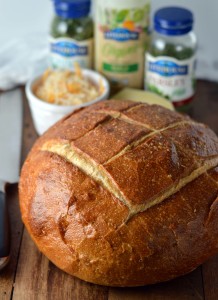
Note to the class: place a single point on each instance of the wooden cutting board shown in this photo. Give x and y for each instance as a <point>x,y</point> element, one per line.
<point>30,276</point>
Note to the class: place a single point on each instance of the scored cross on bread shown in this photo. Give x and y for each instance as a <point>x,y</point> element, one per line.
<point>123,194</point>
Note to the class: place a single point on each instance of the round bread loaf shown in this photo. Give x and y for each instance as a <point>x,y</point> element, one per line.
<point>123,194</point>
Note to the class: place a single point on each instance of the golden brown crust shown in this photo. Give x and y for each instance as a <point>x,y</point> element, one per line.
<point>123,194</point>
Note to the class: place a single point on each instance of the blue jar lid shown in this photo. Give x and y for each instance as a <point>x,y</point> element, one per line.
<point>69,9</point>
<point>173,21</point>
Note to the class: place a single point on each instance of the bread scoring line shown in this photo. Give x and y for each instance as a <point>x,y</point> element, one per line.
<point>97,172</point>
<point>136,143</point>
<point>86,164</point>
<point>109,115</point>
<point>211,178</point>
<point>121,116</point>
<point>209,164</point>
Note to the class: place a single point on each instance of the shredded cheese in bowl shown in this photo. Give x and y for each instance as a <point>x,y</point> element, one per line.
<point>64,87</point>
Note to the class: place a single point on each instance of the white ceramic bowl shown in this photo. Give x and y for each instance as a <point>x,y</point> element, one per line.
<point>45,114</point>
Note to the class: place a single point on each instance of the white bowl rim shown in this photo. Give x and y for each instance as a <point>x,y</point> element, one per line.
<point>62,108</point>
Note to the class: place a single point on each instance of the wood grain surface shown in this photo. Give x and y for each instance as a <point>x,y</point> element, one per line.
<point>30,276</point>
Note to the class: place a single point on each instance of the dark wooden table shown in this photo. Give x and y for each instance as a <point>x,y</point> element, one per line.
<point>30,276</point>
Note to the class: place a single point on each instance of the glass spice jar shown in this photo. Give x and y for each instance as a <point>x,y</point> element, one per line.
<point>71,35</point>
<point>171,58</point>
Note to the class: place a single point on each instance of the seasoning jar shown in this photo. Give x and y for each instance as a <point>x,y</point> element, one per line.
<point>71,35</point>
<point>121,37</point>
<point>170,60</point>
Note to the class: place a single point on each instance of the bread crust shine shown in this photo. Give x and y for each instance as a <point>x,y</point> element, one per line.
<point>123,194</point>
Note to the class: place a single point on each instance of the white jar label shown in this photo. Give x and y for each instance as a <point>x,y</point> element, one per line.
<point>64,52</point>
<point>171,78</point>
